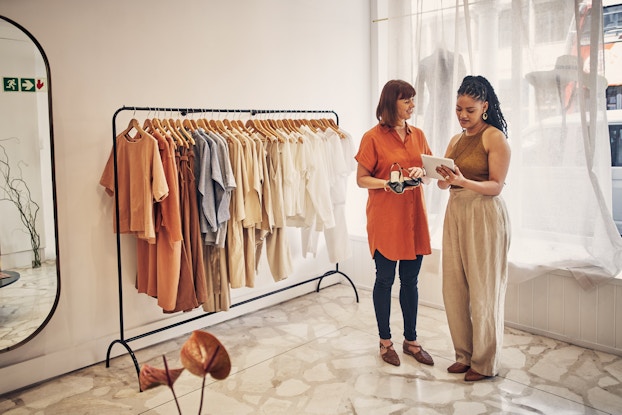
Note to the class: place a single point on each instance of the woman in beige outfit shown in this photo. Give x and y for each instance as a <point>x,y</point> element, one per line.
<point>476,232</point>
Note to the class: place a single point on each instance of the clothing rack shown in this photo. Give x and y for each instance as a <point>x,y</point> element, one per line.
<point>184,111</point>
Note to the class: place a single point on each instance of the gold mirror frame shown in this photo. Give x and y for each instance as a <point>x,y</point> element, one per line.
<point>24,338</point>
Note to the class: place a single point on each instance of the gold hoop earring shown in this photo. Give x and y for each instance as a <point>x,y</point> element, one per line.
<point>485,116</point>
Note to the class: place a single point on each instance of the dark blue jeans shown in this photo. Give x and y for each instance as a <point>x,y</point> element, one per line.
<point>409,294</point>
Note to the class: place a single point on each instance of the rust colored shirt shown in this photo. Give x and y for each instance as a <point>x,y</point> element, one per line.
<point>141,183</point>
<point>397,224</point>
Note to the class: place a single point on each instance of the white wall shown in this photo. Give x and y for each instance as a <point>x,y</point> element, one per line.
<point>270,54</point>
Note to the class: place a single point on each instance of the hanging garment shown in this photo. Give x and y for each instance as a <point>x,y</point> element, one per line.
<point>237,190</point>
<point>158,265</point>
<point>235,234</point>
<point>277,246</point>
<point>196,240</point>
<point>141,181</point>
<point>339,151</point>
<point>223,193</point>
<point>205,163</point>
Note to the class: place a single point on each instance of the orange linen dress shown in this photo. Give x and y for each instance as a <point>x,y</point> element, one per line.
<point>397,224</point>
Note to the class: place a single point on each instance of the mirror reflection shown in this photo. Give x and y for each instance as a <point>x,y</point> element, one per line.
<point>29,277</point>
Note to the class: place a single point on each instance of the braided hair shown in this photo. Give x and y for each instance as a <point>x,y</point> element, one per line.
<point>478,88</point>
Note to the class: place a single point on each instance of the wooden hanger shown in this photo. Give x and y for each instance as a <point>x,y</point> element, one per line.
<point>133,124</point>
<point>150,126</point>
<point>202,122</point>
<point>155,123</point>
<point>295,125</point>
<point>330,123</point>
<point>252,126</point>
<point>239,124</point>
<point>183,132</point>
<point>273,123</point>
<point>306,122</point>
<point>189,124</point>
<point>313,124</point>
<point>166,128</point>
<point>270,124</point>
<point>170,129</point>
<point>288,126</point>
<point>261,128</point>
<point>227,123</point>
<point>322,123</point>
<point>217,125</point>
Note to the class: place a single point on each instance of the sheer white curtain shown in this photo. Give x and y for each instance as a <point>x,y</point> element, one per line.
<point>544,59</point>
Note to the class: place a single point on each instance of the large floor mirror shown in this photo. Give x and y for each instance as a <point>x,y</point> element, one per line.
<point>29,270</point>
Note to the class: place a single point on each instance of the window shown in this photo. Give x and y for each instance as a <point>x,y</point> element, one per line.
<point>612,23</point>
<point>545,104</point>
<point>615,138</point>
<point>549,27</point>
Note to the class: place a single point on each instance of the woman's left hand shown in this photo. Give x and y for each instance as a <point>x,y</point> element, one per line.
<point>416,172</point>
<point>451,176</point>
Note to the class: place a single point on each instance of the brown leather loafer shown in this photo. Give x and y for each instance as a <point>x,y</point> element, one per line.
<point>389,354</point>
<point>458,368</point>
<point>473,376</point>
<point>420,356</point>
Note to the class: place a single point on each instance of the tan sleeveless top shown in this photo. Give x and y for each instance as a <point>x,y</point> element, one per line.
<point>471,157</point>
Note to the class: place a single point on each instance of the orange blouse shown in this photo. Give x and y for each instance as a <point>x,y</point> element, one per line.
<point>397,224</point>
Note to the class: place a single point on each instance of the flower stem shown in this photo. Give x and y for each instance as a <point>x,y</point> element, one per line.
<point>202,392</point>
<point>170,384</point>
<point>207,369</point>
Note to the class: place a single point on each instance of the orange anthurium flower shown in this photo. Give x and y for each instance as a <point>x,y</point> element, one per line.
<point>150,377</point>
<point>202,353</point>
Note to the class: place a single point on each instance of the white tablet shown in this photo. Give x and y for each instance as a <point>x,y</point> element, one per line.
<point>430,163</point>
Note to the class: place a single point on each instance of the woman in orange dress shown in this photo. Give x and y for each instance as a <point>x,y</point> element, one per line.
<point>397,224</point>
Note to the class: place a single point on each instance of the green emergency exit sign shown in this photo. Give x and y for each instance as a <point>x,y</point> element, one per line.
<point>11,84</point>
<point>27,84</point>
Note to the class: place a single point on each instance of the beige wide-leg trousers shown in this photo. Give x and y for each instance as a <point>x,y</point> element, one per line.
<point>476,240</point>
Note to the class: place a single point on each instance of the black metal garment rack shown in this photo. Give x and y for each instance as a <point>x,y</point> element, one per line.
<point>184,111</point>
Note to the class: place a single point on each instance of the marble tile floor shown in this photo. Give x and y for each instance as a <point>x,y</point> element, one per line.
<point>318,354</point>
<point>26,303</point>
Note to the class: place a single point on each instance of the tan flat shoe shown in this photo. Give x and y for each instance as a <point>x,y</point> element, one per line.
<point>458,368</point>
<point>420,356</point>
<point>389,355</point>
<point>473,376</point>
